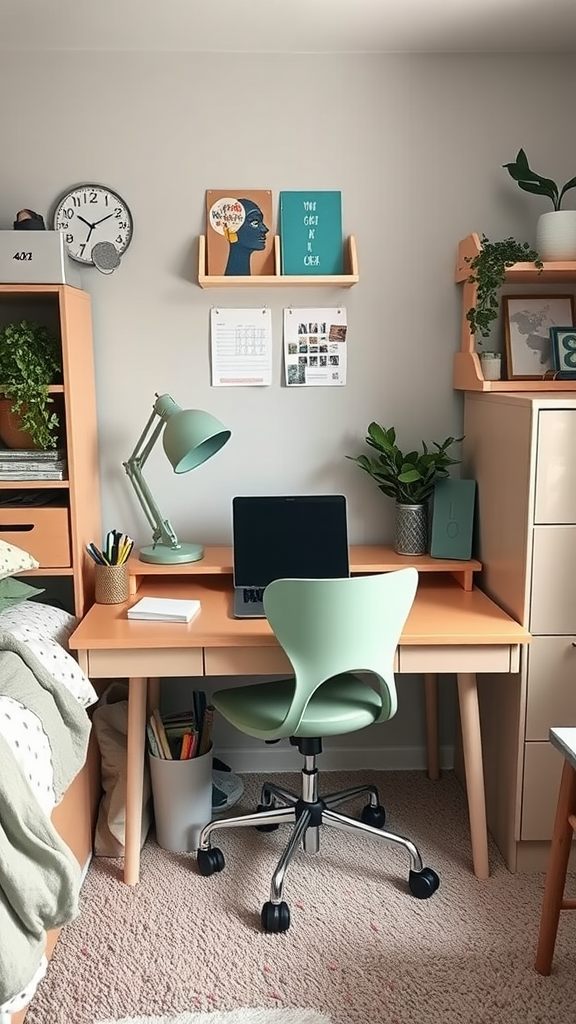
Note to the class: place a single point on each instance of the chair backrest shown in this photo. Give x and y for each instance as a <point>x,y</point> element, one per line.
<point>327,627</point>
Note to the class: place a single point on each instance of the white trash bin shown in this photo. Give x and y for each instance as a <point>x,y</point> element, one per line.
<point>182,794</point>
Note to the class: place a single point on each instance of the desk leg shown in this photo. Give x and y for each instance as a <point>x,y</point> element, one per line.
<point>432,741</point>
<point>136,749</point>
<point>474,768</point>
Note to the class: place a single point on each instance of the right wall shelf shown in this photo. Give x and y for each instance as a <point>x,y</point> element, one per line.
<point>467,370</point>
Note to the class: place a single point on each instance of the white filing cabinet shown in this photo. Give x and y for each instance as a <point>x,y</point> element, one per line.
<point>521,449</point>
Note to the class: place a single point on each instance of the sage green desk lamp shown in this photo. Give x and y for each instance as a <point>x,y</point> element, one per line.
<point>189,438</point>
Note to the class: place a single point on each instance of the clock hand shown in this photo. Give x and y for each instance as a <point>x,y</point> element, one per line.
<point>101,219</point>
<point>87,222</point>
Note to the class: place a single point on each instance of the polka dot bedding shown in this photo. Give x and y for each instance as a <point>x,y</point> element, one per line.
<point>46,631</point>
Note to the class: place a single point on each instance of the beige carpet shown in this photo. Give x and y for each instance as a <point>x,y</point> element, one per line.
<point>360,949</point>
<point>242,1016</point>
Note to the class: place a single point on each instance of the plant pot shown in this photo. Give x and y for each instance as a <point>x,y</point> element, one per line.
<point>10,433</point>
<point>556,235</point>
<point>491,363</point>
<point>411,529</point>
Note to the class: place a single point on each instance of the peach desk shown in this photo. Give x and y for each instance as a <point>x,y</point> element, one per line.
<point>453,627</point>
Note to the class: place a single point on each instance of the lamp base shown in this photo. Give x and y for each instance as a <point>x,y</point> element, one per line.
<point>161,554</point>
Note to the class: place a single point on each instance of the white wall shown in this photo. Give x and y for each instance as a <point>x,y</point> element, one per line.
<point>415,144</point>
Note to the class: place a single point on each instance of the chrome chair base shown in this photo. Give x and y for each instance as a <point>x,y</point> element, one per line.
<point>307,812</point>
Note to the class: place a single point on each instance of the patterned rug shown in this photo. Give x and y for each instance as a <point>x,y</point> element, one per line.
<point>241,1016</point>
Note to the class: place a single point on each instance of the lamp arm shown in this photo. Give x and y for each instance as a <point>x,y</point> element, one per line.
<point>163,529</point>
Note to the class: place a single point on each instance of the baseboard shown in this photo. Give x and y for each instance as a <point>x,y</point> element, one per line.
<point>267,759</point>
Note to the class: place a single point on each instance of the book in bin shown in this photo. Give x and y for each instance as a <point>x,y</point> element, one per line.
<point>164,609</point>
<point>239,235</point>
<point>310,228</point>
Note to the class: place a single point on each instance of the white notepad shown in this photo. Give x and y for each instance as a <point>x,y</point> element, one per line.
<point>164,609</point>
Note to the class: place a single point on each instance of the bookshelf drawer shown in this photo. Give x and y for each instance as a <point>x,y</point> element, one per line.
<point>43,532</point>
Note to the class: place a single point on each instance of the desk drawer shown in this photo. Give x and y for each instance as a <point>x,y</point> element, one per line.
<point>245,661</point>
<point>43,532</point>
<point>145,662</point>
<point>463,658</point>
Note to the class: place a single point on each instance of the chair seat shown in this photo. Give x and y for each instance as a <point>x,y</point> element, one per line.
<point>342,704</point>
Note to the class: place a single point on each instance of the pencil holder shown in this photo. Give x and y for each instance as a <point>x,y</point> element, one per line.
<point>110,584</point>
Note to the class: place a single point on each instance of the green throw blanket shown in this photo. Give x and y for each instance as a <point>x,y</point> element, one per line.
<point>39,876</point>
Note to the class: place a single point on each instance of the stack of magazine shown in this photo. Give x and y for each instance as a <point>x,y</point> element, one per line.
<point>33,464</point>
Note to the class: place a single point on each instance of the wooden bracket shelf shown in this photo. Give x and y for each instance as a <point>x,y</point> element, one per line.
<point>467,374</point>
<point>346,280</point>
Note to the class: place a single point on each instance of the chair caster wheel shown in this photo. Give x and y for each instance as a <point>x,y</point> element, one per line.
<point>266,828</point>
<point>375,816</point>
<point>423,884</point>
<point>275,917</point>
<point>210,861</point>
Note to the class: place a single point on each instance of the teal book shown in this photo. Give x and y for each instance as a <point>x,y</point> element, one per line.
<point>310,228</point>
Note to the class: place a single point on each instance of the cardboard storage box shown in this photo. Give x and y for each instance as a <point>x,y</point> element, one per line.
<point>36,257</point>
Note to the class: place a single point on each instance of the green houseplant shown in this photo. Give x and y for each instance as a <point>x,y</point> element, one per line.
<point>530,181</point>
<point>488,271</point>
<point>409,478</point>
<point>555,230</point>
<point>30,360</point>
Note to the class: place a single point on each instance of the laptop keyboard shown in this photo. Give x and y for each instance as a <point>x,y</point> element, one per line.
<point>253,595</point>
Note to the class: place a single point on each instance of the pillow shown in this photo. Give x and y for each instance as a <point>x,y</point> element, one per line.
<point>14,560</point>
<point>15,591</point>
<point>35,621</point>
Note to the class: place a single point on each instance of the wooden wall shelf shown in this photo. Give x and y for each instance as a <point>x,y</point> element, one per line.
<point>278,280</point>
<point>467,374</point>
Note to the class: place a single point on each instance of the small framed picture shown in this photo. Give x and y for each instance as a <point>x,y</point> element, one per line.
<point>563,352</point>
<point>527,323</point>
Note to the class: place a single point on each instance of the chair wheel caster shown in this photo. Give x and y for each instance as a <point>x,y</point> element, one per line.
<point>275,917</point>
<point>375,816</point>
<point>210,861</point>
<point>266,828</point>
<point>423,884</point>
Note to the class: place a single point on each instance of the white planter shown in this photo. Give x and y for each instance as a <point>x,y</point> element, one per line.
<point>556,236</point>
<point>491,363</point>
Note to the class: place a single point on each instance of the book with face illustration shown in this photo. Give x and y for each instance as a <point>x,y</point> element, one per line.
<point>239,233</point>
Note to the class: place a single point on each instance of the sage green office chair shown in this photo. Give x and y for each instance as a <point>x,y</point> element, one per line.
<point>331,630</point>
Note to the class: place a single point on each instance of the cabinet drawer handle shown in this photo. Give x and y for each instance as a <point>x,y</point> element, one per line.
<point>17,527</point>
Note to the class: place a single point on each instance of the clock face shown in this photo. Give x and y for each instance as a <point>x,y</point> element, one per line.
<point>88,214</point>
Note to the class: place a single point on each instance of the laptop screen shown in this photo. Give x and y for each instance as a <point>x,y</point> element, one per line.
<point>294,536</point>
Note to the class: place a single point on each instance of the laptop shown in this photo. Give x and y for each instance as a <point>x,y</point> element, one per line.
<point>286,536</point>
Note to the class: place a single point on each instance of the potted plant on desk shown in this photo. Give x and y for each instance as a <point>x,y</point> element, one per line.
<point>30,360</point>
<point>409,478</point>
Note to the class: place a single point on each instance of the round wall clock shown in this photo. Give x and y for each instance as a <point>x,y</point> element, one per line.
<point>89,214</point>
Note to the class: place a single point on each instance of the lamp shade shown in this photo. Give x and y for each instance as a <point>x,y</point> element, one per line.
<point>192,436</point>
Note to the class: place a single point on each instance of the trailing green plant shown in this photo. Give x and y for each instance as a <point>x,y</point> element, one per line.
<point>530,181</point>
<point>488,271</point>
<point>30,360</point>
<point>408,477</point>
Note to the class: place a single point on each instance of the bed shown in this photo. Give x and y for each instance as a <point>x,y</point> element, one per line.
<point>49,784</point>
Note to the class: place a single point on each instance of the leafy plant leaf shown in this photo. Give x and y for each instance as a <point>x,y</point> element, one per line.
<point>408,478</point>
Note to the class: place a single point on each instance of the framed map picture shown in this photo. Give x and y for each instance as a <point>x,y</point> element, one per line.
<point>527,323</point>
<point>239,232</point>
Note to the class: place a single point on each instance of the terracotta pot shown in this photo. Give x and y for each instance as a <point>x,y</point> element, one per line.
<point>10,433</point>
